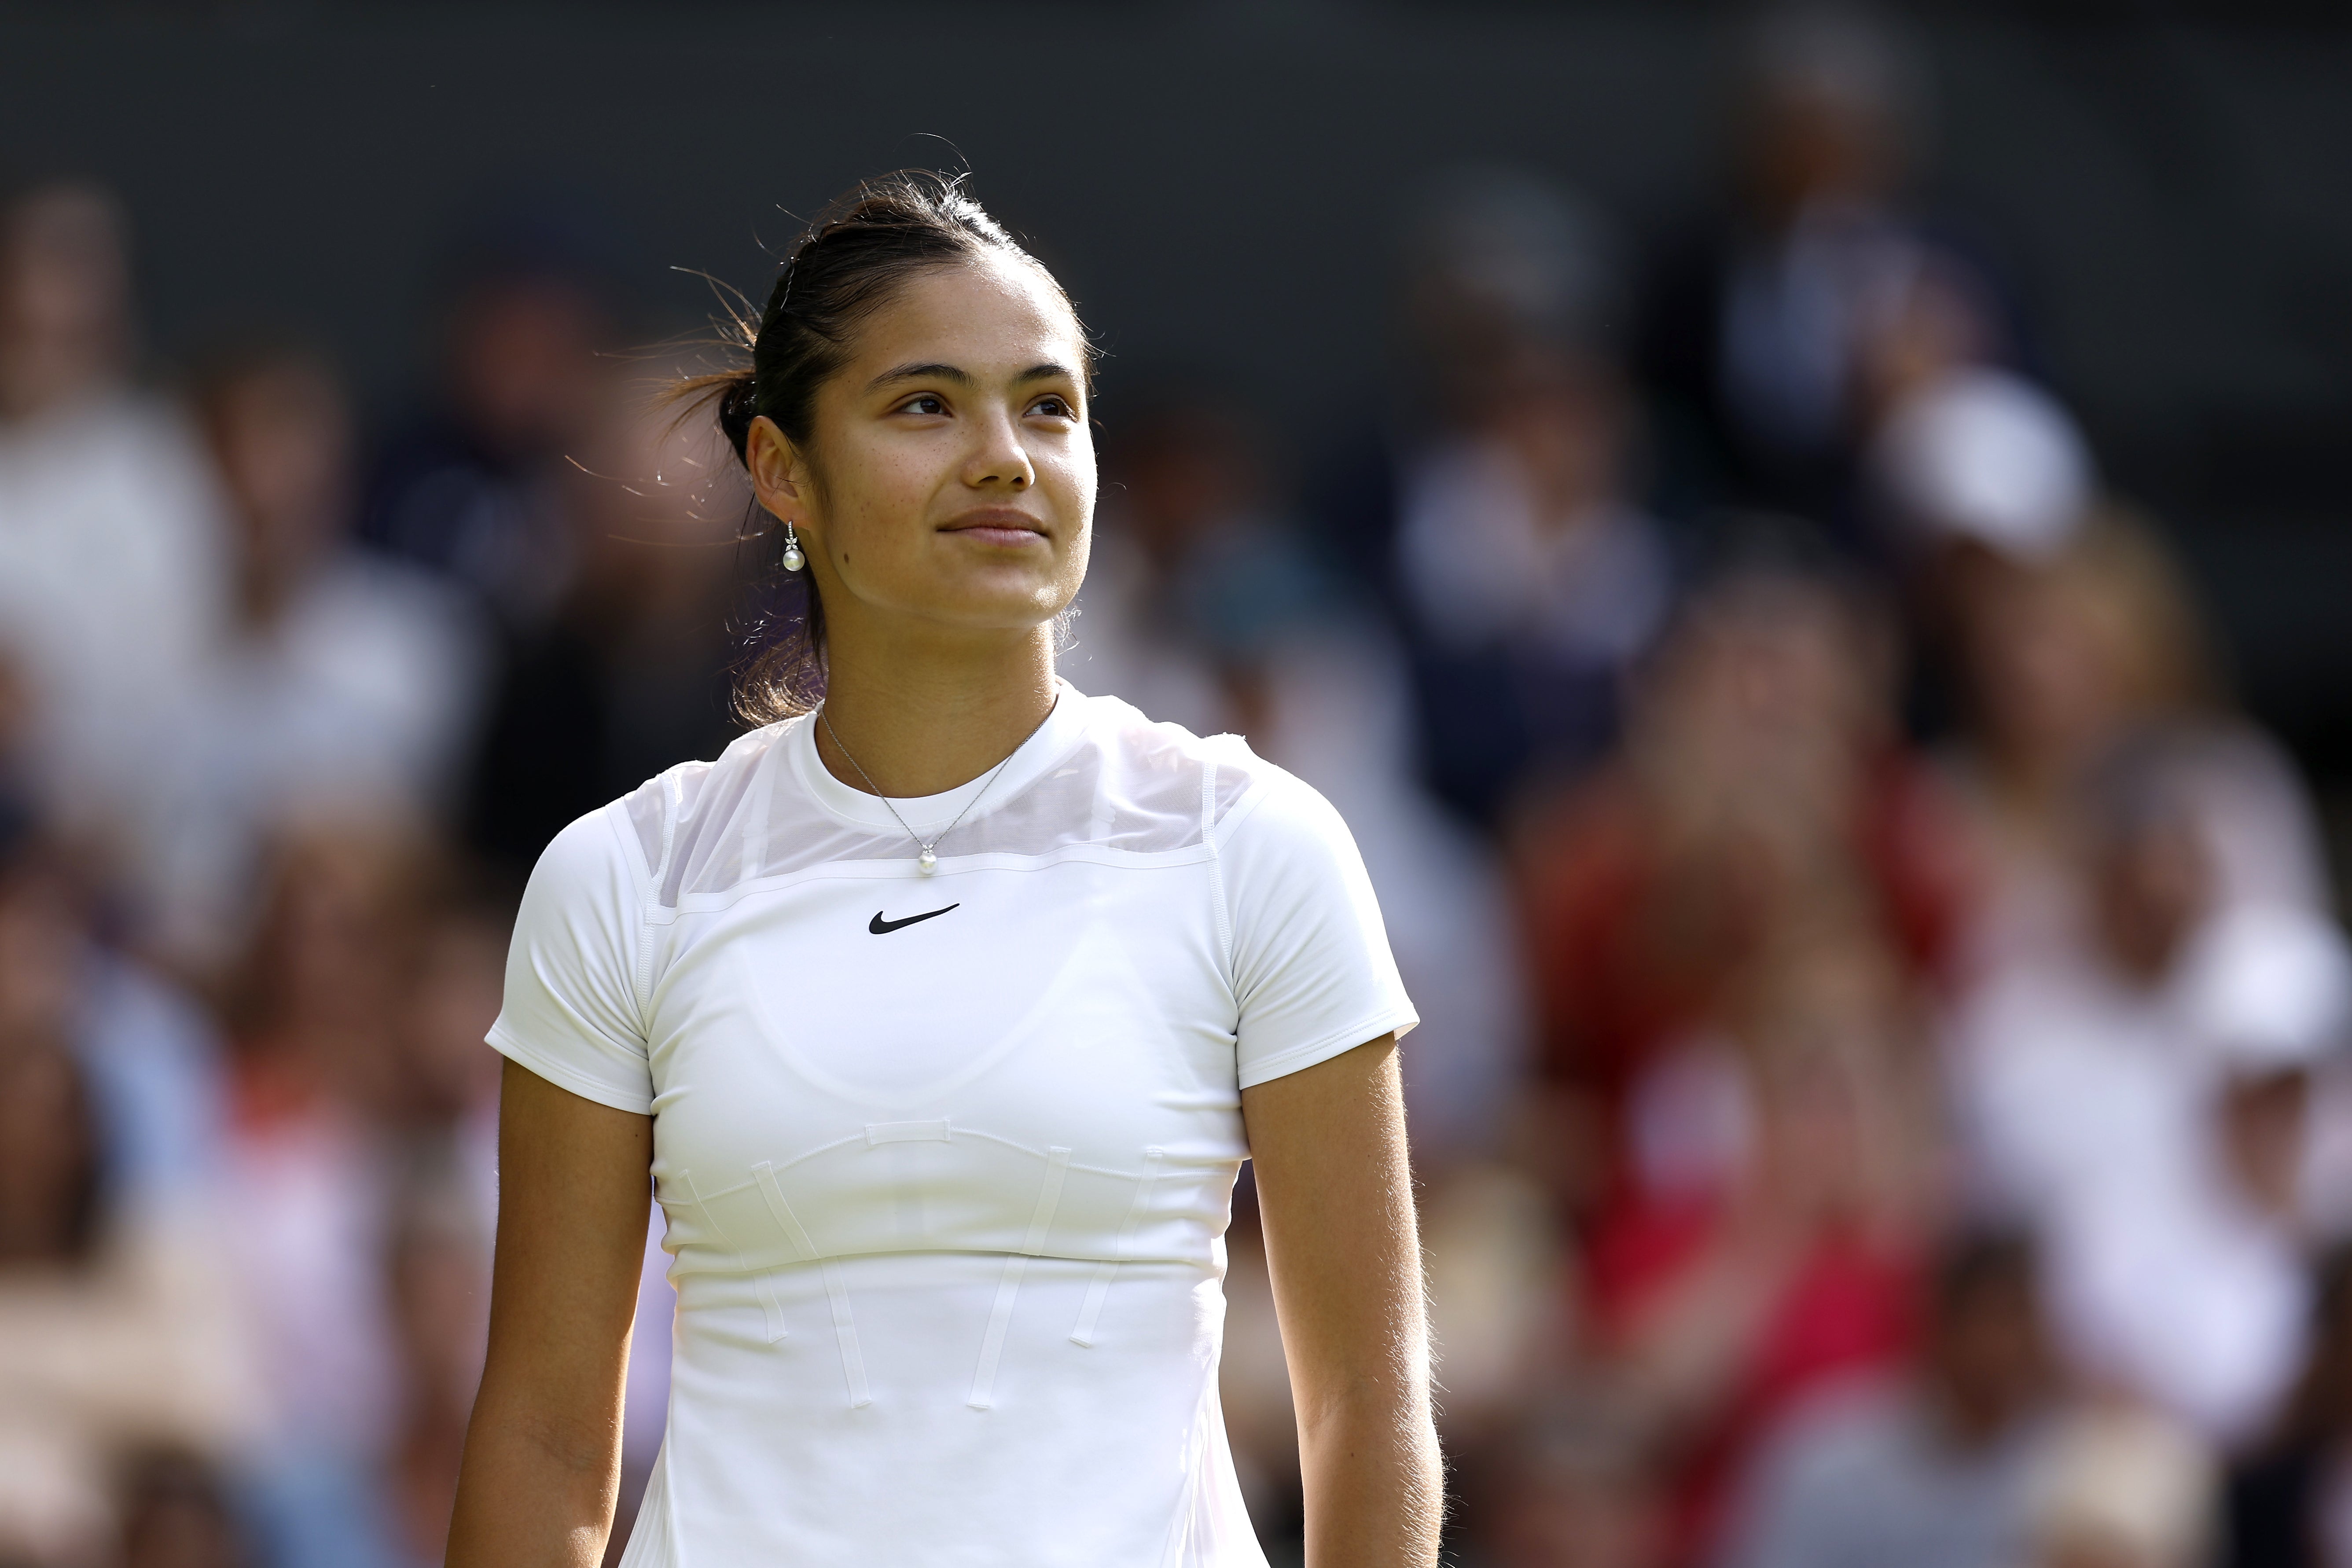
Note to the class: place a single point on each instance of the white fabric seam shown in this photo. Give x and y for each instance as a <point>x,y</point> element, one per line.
<point>1008,1288</point>
<point>1090,1314</point>
<point>761,1281</point>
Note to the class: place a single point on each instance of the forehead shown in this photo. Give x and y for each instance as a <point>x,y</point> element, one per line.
<point>991,311</point>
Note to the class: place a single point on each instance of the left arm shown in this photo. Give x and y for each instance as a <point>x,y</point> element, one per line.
<point>1334,1191</point>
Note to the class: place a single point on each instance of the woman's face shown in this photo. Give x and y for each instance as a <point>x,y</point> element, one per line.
<point>950,479</point>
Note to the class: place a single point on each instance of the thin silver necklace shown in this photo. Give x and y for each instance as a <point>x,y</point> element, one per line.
<point>927,862</point>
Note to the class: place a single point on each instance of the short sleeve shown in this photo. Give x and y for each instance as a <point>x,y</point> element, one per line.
<point>570,1012</point>
<point>1311,965</point>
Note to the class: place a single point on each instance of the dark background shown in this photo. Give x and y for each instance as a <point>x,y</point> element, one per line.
<point>1222,186</point>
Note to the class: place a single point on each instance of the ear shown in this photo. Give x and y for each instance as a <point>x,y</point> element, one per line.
<point>775,469</point>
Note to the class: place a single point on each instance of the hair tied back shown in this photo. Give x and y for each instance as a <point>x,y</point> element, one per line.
<point>737,407</point>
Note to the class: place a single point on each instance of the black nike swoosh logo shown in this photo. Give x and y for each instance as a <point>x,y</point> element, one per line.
<point>879,926</point>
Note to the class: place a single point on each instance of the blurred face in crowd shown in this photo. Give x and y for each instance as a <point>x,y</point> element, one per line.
<point>1766,688</point>
<point>452,1000</point>
<point>329,966</point>
<point>175,1517</point>
<point>2151,882</point>
<point>2047,673</point>
<point>2265,1116</point>
<point>65,286</point>
<point>1832,1136</point>
<point>1809,146</point>
<point>281,437</point>
<point>40,953</point>
<point>950,479</point>
<point>1563,417</point>
<point>2063,655</point>
<point>1989,1351</point>
<point>48,1156</point>
<point>1937,323</point>
<point>522,363</point>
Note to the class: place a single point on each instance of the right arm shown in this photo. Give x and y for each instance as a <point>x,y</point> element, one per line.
<point>542,1461</point>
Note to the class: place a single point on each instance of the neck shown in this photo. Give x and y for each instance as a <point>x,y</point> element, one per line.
<point>923,719</point>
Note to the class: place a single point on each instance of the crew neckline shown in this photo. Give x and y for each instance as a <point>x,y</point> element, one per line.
<point>1059,732</point>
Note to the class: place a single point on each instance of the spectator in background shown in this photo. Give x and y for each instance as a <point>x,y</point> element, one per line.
<point>350,685</point>
<point>2140,1102</point>
<point>465,490</point>
<point>1940,1468</point>
<point>1722,1303</point>
<point>437,1265</point>
<point>1523,575</point>
<point>149,1055</point>
<point>114,582</point>
<point>632,669</point>
<point>1772,345</point>
<point>118,1329</point>
<point>2064,651</point>
<point>1762,794</point>
<point>313,1180</point>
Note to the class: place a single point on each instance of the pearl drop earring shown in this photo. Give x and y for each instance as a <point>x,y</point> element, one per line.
<point>793,559</point>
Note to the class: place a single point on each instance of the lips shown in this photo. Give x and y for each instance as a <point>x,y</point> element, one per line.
<point>998,525</point>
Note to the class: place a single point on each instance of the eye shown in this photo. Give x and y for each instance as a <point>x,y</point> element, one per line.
<point>1053,407</point>
<point>924,403</point>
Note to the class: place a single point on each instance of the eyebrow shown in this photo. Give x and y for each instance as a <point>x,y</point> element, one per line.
<point>936,371</point>
<point>930,371</point>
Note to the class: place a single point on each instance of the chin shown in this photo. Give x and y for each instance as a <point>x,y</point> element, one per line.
<point>995,613</point>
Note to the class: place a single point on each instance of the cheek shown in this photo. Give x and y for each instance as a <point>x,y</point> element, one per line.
<point>875,499</point>
<point>1072,479</point>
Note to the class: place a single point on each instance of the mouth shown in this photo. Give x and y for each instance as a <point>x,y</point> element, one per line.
<point>1004,527</point>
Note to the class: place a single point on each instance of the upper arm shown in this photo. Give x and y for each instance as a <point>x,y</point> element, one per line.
<point>574,1188</point>
<point>1335,1193</point>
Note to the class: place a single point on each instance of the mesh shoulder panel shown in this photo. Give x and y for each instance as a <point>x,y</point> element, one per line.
<point>1127,786</point>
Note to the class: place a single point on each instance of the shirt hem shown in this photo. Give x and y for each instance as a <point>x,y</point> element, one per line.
<point>1397,1020</point>
<point>564,1076</point>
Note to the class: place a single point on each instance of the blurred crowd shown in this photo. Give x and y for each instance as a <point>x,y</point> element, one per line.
<point>1881,1097</point>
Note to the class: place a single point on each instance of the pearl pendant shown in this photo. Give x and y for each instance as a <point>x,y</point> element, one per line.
<point>929,862</point>
<point>793,559</point>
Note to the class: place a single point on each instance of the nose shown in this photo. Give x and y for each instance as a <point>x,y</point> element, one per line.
<point>1001,459</point>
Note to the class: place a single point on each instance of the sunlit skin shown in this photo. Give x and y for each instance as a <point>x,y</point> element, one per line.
<point>945,502</point>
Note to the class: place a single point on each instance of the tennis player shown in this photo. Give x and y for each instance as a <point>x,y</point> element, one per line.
<point>939,1015</point>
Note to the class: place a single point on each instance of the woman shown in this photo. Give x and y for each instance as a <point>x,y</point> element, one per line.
<point>941,1018</point>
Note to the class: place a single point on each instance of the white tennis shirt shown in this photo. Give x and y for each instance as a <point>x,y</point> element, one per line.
<point>947,1162</point>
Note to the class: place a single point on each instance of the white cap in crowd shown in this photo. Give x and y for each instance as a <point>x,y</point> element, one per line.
<point>2268,988</point>
<point>1983,454</point>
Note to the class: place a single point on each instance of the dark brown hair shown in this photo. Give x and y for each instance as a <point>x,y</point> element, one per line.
<point>851,260</point>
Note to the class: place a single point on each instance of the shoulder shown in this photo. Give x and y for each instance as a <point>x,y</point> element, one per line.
<point>590,859</point>
<point>666,821</point>
<point>1229,786</point>
<point>683,822</point>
